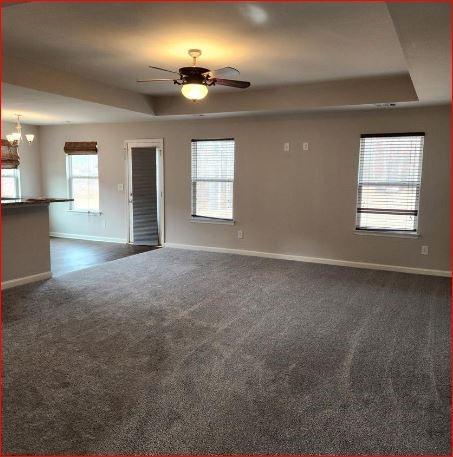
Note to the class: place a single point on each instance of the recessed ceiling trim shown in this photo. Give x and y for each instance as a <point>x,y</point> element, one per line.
<point>19,72</point>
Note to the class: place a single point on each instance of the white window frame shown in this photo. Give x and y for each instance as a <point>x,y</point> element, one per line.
<point>70,177</point>
<point>17,184</point>
<point>212,220</point>
<point>388,232</point>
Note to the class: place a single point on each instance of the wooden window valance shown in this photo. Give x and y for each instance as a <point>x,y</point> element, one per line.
<point>10,156</point>
<point>81,147</point>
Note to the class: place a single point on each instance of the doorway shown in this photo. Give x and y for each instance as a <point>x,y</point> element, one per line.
<point>145,192</point>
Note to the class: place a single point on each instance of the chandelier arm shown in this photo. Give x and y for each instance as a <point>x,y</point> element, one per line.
<point>16,137</point>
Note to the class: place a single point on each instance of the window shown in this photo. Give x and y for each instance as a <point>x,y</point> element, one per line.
<point>10,183</point>
<point>83,182</point>
<point>212,179</point>
<point>390,169</point>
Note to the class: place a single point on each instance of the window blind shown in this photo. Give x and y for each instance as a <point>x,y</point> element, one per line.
<point>10,156</point>
<point>212,178</point>
<point>390,169</point>
<point>81,147</point>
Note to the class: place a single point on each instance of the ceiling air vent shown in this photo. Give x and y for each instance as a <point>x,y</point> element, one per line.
<point>385,105</point>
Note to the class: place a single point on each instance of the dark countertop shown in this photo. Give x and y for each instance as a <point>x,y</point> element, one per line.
<point>23,202</point>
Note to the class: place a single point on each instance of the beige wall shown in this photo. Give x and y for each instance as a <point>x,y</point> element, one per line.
<point>297,202</point>
<point>25,242</point>
<point>30,160</point>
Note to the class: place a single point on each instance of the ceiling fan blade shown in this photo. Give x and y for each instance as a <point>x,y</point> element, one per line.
<point>164,69</point>
<point>228,72</point>
<point>154,79</point>
<point>232,83</point>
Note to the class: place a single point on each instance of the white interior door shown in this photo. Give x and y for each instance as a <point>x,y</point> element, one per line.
<point>145,192</point>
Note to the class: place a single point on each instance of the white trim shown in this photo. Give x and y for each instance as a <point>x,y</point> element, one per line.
<point>160,193</point>
<point>26,280</point>
<point>129,204</point>
<point>299,258</point>
<point>88,237</point>
<point>144,143</point>
<point>157,143</point>
<point>84,211</point>
<point>413,236</point>
<point>207,220</point>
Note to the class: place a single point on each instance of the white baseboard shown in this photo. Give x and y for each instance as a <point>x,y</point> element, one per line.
<point>299,258</point>
<point>88,237</point>
<point>26,280</point>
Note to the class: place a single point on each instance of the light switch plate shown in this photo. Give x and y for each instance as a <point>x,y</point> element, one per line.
<point>120,187</point>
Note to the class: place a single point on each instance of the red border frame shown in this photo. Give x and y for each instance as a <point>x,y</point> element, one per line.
<point>451,215</point>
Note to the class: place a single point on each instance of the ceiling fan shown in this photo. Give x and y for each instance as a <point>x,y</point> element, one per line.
<point>196,80</point>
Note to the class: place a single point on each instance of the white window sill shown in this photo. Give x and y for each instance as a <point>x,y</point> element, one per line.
<point>81,211</point>
<point>206,220</point>
<point>387,234</point>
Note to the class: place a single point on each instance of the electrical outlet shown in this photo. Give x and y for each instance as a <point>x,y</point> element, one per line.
<point>286,147</point>
<point>424,250</point>
<point>305,146</point>
<point>240,234</point>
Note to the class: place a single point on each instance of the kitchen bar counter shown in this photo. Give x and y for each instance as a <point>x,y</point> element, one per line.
<point>21,202</point>
<point>25,240</point>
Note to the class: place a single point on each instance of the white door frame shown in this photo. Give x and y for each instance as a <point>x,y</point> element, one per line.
<point>146,143</point>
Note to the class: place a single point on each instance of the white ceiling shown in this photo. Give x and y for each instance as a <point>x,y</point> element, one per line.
<point>424,33</point>
<point>78,62</point>
<point>270,43</point>
<point>43,108</point>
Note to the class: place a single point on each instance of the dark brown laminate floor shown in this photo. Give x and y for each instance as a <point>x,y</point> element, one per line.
<point>70,255</point>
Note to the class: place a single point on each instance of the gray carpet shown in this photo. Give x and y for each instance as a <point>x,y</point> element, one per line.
<point>174,351</point>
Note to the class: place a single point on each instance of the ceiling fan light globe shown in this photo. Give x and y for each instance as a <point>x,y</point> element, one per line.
<point>16,136</point>
<point>194,91</point>
<point>10,138</point>
<point>30,137</point>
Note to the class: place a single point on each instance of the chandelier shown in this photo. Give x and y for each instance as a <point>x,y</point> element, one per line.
<point>16,137</point>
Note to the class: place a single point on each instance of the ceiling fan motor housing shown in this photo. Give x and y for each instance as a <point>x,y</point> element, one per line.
<point>194,75</point>
<point>199,76</point>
